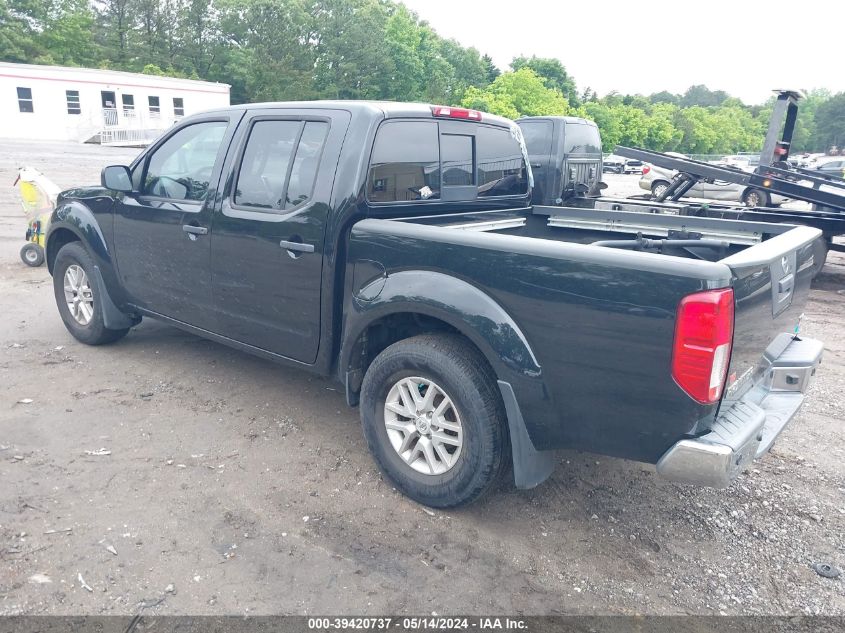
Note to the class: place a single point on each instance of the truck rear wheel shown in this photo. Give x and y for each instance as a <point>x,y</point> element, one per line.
<point>434,420</point>
<point>78,299</point>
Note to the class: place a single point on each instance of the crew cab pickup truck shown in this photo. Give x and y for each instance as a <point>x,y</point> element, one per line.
<point>392,246</point>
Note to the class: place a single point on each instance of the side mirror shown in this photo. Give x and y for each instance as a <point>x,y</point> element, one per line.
<point>117,178</point>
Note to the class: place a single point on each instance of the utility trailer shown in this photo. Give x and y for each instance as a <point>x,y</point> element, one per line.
<point>824,192</point>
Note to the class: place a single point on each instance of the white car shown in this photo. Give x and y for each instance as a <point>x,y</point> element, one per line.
<point>613,164</point>
<point>656,180</point>
<point>633,166</point>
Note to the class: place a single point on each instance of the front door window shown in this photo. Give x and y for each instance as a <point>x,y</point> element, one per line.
<point>180,169</point>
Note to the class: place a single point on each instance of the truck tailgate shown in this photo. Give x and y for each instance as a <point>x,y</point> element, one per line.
<point>771,286</point>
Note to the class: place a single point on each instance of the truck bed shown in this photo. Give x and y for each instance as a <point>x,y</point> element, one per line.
<point>599,316</point>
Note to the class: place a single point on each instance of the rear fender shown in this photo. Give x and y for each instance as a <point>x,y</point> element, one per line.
<point>463,306</point>
<point>483,321</point>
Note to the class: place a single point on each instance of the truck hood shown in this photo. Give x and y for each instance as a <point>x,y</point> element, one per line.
<point>84,193</point>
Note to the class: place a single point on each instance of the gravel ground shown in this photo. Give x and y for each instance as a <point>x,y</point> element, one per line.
<point>170,475</point>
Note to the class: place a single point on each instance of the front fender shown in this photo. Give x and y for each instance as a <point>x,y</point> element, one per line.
<point>82,220</point>
<point>76,217</point>
<point>460,304</point>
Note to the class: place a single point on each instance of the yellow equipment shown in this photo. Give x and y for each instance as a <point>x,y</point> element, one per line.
<point>38,198</point>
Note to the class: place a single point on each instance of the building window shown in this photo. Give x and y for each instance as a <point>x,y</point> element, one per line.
<point>73,106</point>
<point>128,104</point>
<point>25,100</point>
<point>178,106</point>
<point>155,107</point>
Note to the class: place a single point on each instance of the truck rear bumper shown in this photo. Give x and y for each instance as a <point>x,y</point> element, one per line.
<point>750,426</point>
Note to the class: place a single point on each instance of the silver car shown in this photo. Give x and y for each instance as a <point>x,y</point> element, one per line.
<point>656,180</point>
<point>835,166</point>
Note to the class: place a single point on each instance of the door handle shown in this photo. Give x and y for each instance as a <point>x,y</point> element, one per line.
<point>194,230</point>
<point>297,247</point>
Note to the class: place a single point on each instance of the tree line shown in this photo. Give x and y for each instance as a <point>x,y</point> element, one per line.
<point>270,50</point>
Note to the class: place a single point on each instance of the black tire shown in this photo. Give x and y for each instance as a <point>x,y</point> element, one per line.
<point>657,186</point>
<point>462,373</point>
<point>32,254</point>
<point>820,249</point>
<point>94,332</point>
<point>756,198</point>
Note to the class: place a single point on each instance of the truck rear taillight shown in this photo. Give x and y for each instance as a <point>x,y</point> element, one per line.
<point>702,349</point>
<point>646,169</point>
<point>456,113</point>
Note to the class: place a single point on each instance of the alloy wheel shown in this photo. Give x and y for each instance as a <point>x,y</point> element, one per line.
<point>78,294</point>
<point>423,425</point>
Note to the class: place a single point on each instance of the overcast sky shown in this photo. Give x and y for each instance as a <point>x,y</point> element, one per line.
<point>744,47</point>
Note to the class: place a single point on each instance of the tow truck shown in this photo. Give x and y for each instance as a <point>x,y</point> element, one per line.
<point>825,192</point>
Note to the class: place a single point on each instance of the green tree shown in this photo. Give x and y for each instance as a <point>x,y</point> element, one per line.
<point>348,36</point>
<point>490,69</point>
<point>402,35</point>
<point>266,60</point>
<point>701,95</point>
<point>608,120</point>
<point>830,123</point>
<point>661,133</point>
<point>19,20</point>
<point>552,72</point>
<point>664,96</point>
<point>518,93</point>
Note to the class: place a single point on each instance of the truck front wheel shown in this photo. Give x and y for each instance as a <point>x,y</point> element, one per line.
<point>434,419</point>
<point>78,299</point>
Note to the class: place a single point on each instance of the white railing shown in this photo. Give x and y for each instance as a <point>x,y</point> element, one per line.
<point>121,127</point>
<point>110,116</point>
<point>119,136</point>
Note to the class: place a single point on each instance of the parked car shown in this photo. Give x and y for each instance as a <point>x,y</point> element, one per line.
<point>633,166</point>
<point>657,179</point>
<point>614,164</point>
<point>392,247</point>
<point>835,166</point>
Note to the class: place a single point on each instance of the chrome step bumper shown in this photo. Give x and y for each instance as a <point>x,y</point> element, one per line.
<point>750,426</point>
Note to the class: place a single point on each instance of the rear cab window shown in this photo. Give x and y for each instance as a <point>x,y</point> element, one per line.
<point>432,160</point>
<point>580,138</point>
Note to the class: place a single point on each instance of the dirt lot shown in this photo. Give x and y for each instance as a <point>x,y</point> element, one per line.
<point>232,485</point>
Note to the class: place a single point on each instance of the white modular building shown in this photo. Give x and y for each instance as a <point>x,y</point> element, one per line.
<point>92,105</point>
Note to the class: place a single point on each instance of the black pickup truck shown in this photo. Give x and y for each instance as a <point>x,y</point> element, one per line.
<point>393,247</point>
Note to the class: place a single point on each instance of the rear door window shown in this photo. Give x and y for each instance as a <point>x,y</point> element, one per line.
<point>538,137</point>
<point>406,162</point>
<point>279,164</point>
<point>304,171</point>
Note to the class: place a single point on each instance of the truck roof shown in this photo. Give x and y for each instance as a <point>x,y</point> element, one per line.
<point>565,119</point>
<point>386,109</point>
